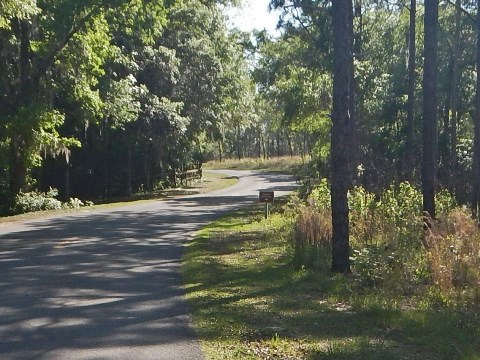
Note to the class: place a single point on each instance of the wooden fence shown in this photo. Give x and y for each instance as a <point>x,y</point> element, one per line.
<point>187,175</point>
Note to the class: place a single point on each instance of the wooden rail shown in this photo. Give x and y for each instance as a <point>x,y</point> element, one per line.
<point>187,175</point>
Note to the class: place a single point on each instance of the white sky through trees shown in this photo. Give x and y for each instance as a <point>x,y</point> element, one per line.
<point>253,14</point>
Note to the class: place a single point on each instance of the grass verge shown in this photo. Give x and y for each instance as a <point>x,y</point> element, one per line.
<point>248,302</point>
<point>210,182</point>
<point>283,164</point>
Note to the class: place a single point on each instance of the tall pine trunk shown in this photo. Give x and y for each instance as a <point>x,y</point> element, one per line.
<point>341,131</point>
<point>25,97</point>
<point>448,140</point>
<point>429,167</point>
<point>476,121</point>
<point>410,133</point>
<point>454,94</point>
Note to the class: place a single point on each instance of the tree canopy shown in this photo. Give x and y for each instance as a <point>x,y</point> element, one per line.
<point>107,97</point>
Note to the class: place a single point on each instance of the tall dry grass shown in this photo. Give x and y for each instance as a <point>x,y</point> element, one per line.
<point>453,248</point>
<point>390,249</point>
<point>312,237</point>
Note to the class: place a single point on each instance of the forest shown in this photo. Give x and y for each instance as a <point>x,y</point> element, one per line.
<point>108,97</point>
<point>102,98</point>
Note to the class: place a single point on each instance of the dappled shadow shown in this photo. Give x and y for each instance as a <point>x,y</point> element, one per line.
<point>94,283</point>
<point>268,300</point>
<point>103,284</point>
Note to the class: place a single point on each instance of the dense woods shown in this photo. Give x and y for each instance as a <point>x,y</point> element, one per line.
<point>109,97</point>
<point>112,97</point>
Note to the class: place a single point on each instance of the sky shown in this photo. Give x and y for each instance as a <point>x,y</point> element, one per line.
<point>253,14</point>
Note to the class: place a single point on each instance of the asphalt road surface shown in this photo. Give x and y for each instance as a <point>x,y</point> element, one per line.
<point>105,284</point>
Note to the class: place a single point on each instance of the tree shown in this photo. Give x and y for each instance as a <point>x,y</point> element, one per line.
<point>409,148</point>
<point>34,39</point>
<point>341,131</point>
<point>476,121</point>
<point>16,9</point>
<point>429,166</point>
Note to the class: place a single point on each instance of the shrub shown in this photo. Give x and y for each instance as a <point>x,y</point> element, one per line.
<point>399,212</point>
<point>73,203</point>
<point>36,201</point>
<point>320,196</point>
<point>389,246</point>
<point>39,201</point>
<point>362,215</point>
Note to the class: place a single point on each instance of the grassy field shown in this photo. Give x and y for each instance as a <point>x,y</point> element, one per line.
<point>248,302</point>
<point>210,182</point>
<point>285,164</point>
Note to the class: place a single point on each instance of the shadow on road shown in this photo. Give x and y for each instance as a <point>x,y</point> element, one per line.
<point>103,285</point>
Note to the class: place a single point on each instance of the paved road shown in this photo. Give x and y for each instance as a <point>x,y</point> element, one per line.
<point>105,284</point>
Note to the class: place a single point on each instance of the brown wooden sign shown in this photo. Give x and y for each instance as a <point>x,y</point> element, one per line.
<point>266,196</point>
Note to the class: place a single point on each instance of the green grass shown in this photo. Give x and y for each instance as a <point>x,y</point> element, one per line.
<point>284,164</point>
<point>210,182</point>
<point>248,302</point>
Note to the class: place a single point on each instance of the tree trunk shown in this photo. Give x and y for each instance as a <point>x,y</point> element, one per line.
<point>220,150</point>
<point>239,151</point>
<point>341,131</point>
<point>17,167</point>
<point>67,179</point>
<point>290,145</point>
<point>260,142</point>
<point>129,168</point>
<point>264,148</point>
<point>454,95</point>
<point>476,121</point>
<point>355,39</point>
<point>409,146</point>
<point>25,96</point>
<point>147,165</point>
<point>430,107</point>
<point>106,168</point>
<point>279,152</point>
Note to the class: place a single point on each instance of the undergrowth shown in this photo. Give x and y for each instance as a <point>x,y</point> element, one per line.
<point>390,250</point>
<point>39,201</point>
<point>249,302</point>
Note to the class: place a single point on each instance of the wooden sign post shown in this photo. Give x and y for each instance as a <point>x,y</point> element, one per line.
<point>267,198</point>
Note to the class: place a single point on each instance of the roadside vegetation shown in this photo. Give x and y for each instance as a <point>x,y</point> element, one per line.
<point>263,289</point>
<point>35,204</point>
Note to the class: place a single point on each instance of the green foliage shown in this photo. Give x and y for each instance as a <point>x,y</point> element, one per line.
<point>39,126</point>
<point>248,302</point>
<point>293,77</point>
<point>128,78</point>
<point>445,202</point>
<point>20,9</point>
<point>320,195</point>
<point>37,201</point>
<point>41,201</point>
<point>386,234</point>
<point>73,203</point>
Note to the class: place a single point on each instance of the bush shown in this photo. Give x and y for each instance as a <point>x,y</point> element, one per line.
<point>73,203</point>
<point>320,196</point>
<point>37,201</point>
<point>40,201</point>
<point>389,246</point>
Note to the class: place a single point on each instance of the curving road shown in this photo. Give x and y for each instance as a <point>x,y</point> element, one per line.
<point>105,284</point>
